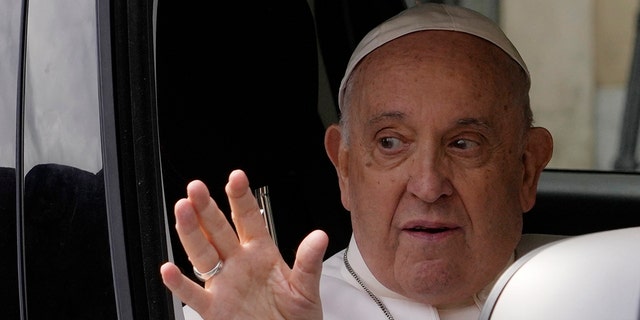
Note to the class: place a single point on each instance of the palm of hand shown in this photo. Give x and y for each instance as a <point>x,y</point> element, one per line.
<point>255,282</point>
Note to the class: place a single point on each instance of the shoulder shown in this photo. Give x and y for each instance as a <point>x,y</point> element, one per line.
<point>332,279</point>
<point>340,299</point>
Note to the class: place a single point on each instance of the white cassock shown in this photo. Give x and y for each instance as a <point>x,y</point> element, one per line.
<point>344,299</point>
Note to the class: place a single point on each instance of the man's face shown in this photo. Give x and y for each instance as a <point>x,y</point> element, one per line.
<point>435,164</point>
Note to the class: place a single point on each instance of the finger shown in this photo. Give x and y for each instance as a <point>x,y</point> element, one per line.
<point>201,253</point>
<point>212,219</point>
<point>245,211</point>
<point>197,219</point>
<point>307,268</point>
<point>186,290</point>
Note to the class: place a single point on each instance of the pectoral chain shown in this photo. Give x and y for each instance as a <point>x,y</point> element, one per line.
<point>373,296</point>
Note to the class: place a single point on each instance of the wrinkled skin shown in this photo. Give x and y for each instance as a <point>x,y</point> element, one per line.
<point>437,170</point>
<point>255,282</point>
<point>440,163</point>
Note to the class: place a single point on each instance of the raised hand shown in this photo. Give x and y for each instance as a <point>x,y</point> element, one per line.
<point>253,282</point>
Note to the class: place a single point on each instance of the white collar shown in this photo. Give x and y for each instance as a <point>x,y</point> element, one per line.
<point>370,281</point>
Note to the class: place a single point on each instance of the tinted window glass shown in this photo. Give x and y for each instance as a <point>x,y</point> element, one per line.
<point>9,51</point>
<point>68,269</point>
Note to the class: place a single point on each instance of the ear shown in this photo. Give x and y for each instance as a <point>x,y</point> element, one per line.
<point>537,153</point>
<point>338,154</point>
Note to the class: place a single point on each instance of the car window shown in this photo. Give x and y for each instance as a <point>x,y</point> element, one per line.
<point>62,225</point>
<point>10,35</point>
<point>66,236</point>
<point>62,123</point>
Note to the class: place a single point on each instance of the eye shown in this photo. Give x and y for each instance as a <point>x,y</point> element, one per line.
<point>464,144</point>
<point>390,143</point>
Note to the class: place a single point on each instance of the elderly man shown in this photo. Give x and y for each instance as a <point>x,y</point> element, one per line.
<point>437,160</point>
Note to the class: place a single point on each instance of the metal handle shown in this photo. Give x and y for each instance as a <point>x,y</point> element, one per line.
<point>264,202</point>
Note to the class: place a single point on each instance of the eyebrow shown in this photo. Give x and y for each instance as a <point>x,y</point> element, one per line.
<point>473,122</point>
<point>397,115</point>
<point>387,115</point>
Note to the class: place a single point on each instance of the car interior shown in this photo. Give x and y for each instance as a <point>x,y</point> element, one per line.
<point>252,86</point>
<point>275,134</point>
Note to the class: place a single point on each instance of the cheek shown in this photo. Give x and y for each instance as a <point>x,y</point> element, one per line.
<point>374,198</point>
<point>495,215</point>
<point>493,200</point>
<point>503,222</point>
<point>371,193</point>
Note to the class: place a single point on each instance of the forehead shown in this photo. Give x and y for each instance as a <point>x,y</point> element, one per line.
<point>428,71</point>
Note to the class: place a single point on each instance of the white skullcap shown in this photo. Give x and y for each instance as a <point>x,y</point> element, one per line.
<point>430,16</point>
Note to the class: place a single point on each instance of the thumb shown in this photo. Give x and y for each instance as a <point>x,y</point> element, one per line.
<point>308,265</point>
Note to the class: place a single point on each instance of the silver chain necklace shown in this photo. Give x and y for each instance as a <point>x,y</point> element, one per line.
<point>373,296</point>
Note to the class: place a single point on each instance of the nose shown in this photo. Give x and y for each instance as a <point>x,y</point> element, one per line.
<point>429,181</point>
